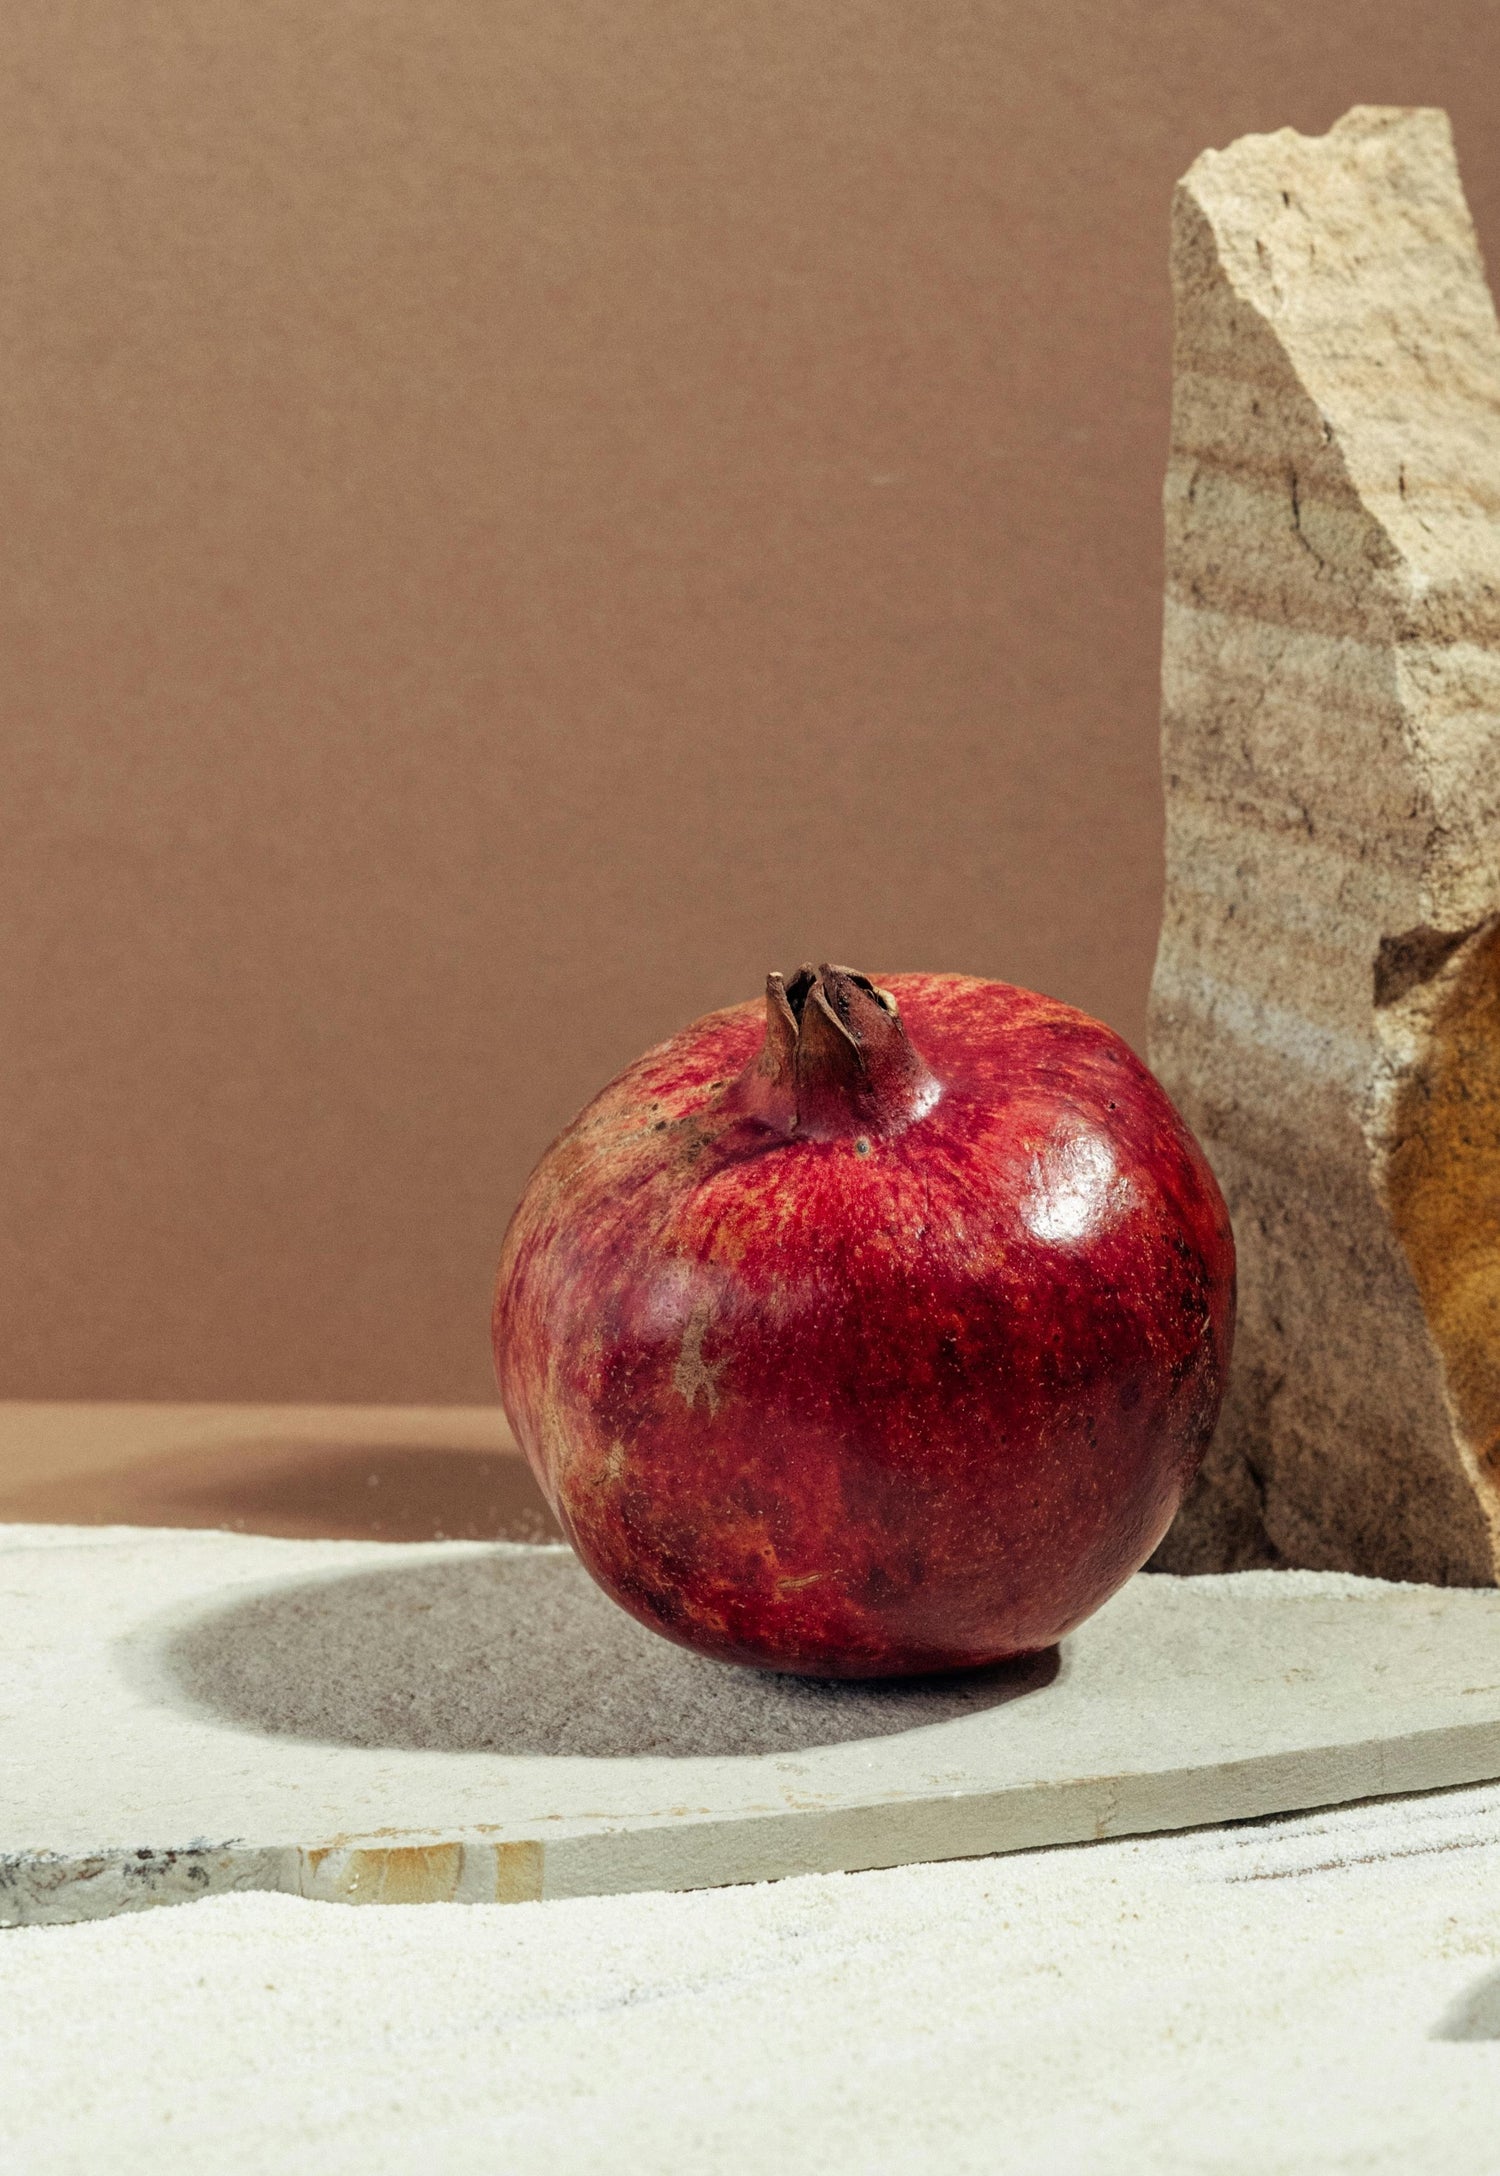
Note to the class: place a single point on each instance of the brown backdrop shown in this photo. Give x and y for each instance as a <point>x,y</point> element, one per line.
<point>517,519</point>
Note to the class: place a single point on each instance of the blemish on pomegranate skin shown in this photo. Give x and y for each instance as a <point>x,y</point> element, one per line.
<point>692,1372</point>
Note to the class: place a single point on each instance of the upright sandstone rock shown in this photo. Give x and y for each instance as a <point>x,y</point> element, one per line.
<point>1326,1006</point>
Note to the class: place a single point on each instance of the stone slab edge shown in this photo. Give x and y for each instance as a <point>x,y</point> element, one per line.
<point>48,1888</point>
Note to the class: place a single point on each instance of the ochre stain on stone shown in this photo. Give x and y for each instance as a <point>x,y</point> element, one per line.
<point>518,1873</point>
<point>338,1873</point>
<point>387,1874</point>
<point>1443,1189</point>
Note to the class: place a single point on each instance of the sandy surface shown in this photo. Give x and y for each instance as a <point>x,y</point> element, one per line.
<point>1315,1994</point>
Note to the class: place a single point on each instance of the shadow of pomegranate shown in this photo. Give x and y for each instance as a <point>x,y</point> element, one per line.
<point>518,1652</point>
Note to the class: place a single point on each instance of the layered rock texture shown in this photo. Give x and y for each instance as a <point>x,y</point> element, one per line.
<point>1326,1005</point>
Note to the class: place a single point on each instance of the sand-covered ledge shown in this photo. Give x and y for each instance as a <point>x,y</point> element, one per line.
<point>1305,1995</point>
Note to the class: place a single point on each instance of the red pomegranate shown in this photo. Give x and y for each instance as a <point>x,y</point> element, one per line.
<point>876,1333</point>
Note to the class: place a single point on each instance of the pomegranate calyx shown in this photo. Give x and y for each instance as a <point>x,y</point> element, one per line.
<point>836,1059</point>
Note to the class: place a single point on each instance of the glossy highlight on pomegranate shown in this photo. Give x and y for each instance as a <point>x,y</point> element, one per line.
<point>876,1330</point>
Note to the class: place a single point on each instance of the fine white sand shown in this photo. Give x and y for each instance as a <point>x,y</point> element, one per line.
<point>1317,1994</point>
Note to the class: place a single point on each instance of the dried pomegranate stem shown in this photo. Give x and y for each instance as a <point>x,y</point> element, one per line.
<point>836,1059</point>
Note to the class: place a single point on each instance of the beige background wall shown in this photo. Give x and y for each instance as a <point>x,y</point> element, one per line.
<point>517,519</point>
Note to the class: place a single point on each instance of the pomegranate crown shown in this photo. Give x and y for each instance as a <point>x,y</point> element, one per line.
<point>836,1059</point>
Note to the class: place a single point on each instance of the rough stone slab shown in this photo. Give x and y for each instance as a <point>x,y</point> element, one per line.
<point>187,1713</point>
<point>1326,1004</point>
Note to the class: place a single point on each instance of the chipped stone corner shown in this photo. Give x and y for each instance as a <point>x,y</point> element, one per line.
<point>49,1888</point>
